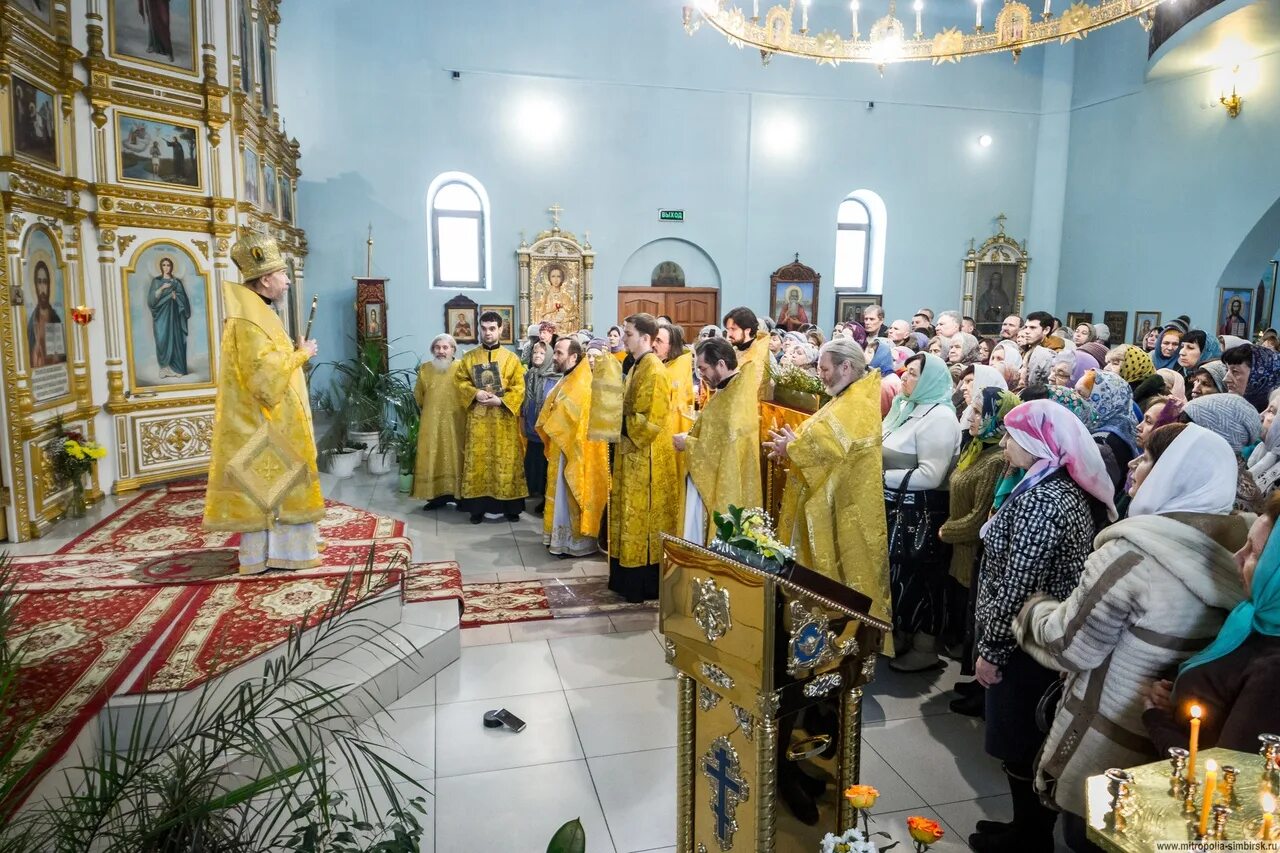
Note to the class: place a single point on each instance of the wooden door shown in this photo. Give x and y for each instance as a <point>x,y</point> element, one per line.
<point>689,307</point>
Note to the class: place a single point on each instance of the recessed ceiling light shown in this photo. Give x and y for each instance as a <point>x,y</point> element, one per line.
<point>985,140</point>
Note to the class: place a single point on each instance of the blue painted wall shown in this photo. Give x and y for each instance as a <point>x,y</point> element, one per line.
<point>609,109</point>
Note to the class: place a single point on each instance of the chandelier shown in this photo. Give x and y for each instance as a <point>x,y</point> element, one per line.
<point>887,41</point>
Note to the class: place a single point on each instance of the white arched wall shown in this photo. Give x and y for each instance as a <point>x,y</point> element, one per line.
<point>699,269</point>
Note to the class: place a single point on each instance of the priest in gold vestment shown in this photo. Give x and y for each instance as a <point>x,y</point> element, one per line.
<point>578,481</point>
<point>490,385</point>
<point>743,329</point>
<point>642,501</point>
<point>723,445</point>
<point>668,345</point>
<point>263,481</point>
<point>437,468</point>
<point>833,507</point>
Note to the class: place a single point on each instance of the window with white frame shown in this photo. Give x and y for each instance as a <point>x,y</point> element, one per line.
<point>860,240</point>
<point>458,238</point>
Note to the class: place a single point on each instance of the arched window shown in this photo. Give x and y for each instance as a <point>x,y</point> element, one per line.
<point>458,238</point>
<point>860,233</point>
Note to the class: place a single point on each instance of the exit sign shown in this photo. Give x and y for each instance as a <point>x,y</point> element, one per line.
<point>671,215</point>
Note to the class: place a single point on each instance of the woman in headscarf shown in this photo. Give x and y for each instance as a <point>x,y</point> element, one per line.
<point>921,437</point>
<point>1235,420</point>
<point>1036,542</point>
<point>963,350</point>
<point>1174,384</point>
<point>1111,634</point>
<point>538,380</point>
<point>980,378</point>
<point>1209,378</point>
<point>1115,425</point>
<point>1151,341</point>
<point>1264,462</point>
<point>615,343</point>
<point>973,489</point>
<point>1084,363</point>
<point>939,346</point>
<point>850,329</point>
<point>1162,412</point>
<point>1166,354</point>
<point>1230,341</point>
<point>1233,680</point>
<point>1198,347</point>
<point>1253,372</point>
<point>1084,333</point>
<point>1097,349</point>
<point>815,337</point>
<point>880,356</point>
<point>1070,399</point>
<point>1036,368</point>
<point>1137,369</point>
<point>1064,365</point>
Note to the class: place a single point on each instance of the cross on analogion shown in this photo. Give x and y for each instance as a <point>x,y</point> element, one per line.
<point>728,788</point>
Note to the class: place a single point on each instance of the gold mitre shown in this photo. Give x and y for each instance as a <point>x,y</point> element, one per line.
<point>257,255</point>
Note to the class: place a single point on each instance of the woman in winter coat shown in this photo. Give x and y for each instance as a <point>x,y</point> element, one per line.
<point>1036,543</point>
<point>1157,586</point>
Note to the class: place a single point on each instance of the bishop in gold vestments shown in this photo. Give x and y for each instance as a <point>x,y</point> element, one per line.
<point>270,494</point>
<point>723,446</point>
<point>833,507</point>
<point>490,384</point>
<point>642,502</point>
<point>578,485</point>
<point>437,469</point>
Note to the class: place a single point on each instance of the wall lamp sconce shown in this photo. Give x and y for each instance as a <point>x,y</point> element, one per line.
<point>1232,102</point>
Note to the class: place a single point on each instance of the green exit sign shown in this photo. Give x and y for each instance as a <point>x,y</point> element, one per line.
<point>671,215</point>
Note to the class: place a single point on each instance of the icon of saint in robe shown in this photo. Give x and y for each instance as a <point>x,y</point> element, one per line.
<point>170,311</point>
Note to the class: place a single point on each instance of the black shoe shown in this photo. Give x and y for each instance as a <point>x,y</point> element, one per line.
<point>436,503</point>
<point>540,508</point>
<point>970,706</point>
<point>993,827</point>
<point>477,517</point>
<point>968,688</point>
<point>512,516</point>
<point>799,803</point>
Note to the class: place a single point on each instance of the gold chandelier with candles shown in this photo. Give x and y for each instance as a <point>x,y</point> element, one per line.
<point>886,40</point>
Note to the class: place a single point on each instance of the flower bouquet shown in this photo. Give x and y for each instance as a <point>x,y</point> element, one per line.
<point>923,831</point>
<point>747,535</point>
<point>71,456</point>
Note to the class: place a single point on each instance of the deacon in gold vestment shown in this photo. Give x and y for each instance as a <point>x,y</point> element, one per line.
<point>642,501</point>
<point>263,481</point>
<point>490,384</point>
<point>833,506</point>
<point>723,446</point>
<point>578,485</point>
<point>668,345</point>
<point>742,329</point>
<point>437,469</point>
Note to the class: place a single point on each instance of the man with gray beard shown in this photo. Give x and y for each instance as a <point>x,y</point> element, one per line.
<point>437,471</point>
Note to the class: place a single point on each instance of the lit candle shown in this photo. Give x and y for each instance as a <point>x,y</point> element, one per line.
<point>919,7</point>
<point>1195,742</point>
<point>804,16</point>
<point>1268,815</point>
<point>977,21</point>
<point>854,8</point>
<point>1210,782</point>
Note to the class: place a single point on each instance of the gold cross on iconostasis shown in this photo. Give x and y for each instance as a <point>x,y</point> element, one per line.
<point>1000,220</point>
<point>555,210</point>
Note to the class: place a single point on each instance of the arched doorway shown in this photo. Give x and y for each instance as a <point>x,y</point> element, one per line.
<point>672,277</point>
<point>1252,259</point>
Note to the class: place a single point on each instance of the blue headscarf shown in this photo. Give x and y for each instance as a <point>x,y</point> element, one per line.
<point>1260,612</point>
<point>883,358</point>
<point>1172,361</point>
<point>1113,409</point>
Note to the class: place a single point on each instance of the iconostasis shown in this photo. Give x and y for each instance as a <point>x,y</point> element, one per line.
<point>140,136</point>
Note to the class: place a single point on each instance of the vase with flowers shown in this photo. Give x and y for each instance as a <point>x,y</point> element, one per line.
<point>923,832</point>
<point>747,535</point>
<point>71,457</point>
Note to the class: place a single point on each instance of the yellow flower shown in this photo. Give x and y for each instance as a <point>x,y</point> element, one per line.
<point>96,451</point>
<point>73,448</point>
<point>861,796</point>
<point>923,830</point>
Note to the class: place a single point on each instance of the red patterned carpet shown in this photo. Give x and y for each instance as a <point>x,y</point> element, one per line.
<point>77,649</point>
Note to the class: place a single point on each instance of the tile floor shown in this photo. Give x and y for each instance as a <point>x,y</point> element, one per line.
<point>599,701</point>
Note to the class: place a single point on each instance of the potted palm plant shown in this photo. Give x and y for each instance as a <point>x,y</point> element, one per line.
<point>365,401</point>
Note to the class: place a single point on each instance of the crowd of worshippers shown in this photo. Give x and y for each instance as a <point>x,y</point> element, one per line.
<point>1085,526</point>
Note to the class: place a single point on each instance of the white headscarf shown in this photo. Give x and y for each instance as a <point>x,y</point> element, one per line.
<point>984,377</point>
<point>1264,461</point>
<point>1197,473</point>
<point>1012,355</point>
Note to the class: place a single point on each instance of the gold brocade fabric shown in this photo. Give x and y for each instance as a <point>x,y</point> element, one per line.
<point>758,354</point>
<point>680,414</point>
<point>641,502</point>
<point>723,447</point>
<point>605,419</point>
<point>259,377</point>
<point>833,506</point>
<point>493,453</point>
<point>562,424</point>
<point>437,468</point>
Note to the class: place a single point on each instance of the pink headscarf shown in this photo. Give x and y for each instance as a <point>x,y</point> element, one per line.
<point>1058,439</point>
<point>1175,383</point>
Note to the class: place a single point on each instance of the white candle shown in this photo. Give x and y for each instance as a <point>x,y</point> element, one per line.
<point>1046,7</point>
<point>755,9</point>
<point>854,8</point>
<point>919,7</point>
<point>804,15</point>
<point>977,21</point>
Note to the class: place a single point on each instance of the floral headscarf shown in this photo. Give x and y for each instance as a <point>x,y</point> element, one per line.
<point>1135,365</point>
<point>1039,365</point>
<point>984,377</point>
<point>996,403</point>
<point>1112,400</point>
<point>1264,376</point>
<point>1058,441</point>
<point>1071,399</point>
<point>932,388</point>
